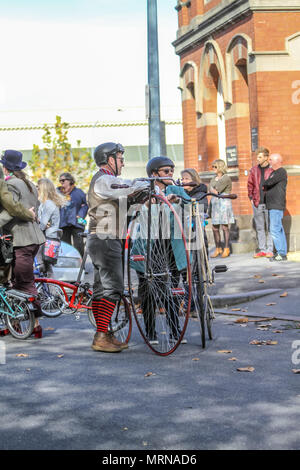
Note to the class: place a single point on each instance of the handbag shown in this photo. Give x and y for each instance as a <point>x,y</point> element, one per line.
<point>6,250</point>
<point>50,250</point>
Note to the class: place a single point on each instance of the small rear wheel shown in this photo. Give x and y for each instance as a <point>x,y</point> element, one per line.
<point>21,323</point>
<point>52,299</point>
<point>209,315</point>
<point>198,293</point>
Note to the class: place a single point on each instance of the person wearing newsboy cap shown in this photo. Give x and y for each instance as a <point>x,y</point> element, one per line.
<point>27,236</point>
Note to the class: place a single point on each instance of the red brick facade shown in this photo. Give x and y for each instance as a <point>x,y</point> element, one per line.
<point>250,51</point>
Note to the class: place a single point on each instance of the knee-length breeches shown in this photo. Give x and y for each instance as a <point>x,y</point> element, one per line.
<point>106,256</point>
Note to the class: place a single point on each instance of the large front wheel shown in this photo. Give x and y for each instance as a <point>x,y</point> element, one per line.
<point>159,275</point>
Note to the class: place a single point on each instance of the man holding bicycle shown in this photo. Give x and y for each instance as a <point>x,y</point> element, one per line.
<point>104,241</point>
<point>162,167</point>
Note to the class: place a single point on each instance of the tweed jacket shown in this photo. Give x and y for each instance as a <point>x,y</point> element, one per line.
<point>10,207</point>
<point>24,233</point>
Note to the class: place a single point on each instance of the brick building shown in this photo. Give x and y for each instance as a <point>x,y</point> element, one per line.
<point>240,83</point>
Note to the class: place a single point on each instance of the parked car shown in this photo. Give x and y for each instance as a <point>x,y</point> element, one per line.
<point>68,263</point>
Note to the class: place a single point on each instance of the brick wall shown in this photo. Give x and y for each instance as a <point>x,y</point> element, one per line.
<point>266,98</point>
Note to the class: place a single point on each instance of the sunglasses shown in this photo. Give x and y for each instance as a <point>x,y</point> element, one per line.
<point>167,170</point>
<point>214,166</point>
<point>63,180</point>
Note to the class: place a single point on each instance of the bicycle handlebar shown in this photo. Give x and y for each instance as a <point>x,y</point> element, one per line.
<point>176,183</point>
<point>220,196</point>
<point>119,186</point>
<point>225,196</point>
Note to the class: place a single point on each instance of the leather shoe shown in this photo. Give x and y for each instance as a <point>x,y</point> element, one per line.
<point>103,342</point>
<point>118,343</point>
<point>37,331</point>
<point>217,252</point>
<point>226,253</point>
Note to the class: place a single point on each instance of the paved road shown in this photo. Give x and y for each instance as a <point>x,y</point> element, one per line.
<point>57,393</point>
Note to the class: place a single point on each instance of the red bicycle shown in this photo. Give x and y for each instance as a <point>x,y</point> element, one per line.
<point>60,297</point>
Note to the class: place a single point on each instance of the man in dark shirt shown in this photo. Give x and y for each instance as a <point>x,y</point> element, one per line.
<point>258,174</point>
<point>275,187</point>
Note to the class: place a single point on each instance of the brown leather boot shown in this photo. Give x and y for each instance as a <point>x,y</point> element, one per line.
<point>217,252</point>
<point>103,342</point>
<point>226,253</point>
<point>118,343</point>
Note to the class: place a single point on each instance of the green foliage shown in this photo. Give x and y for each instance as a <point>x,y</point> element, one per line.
<point>57,156</point>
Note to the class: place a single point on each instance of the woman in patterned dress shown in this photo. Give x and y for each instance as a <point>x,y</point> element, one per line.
<point>221,209</point>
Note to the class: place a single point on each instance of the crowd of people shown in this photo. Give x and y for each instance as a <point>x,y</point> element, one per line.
<point>40,216</point>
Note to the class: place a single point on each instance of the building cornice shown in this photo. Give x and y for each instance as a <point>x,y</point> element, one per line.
<point>76,125</point>
<point>224,15</point>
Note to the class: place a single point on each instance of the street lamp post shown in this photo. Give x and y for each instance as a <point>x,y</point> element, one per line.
<point>153,92</point>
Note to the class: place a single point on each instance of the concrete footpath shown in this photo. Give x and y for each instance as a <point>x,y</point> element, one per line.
<point>258,287</point>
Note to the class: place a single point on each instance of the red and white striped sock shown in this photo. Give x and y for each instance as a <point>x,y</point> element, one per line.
<point>95,308</point>
<point>104,310</point>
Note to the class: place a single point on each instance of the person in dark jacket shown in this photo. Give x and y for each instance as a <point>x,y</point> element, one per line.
<point>72,215</point>
<point>189,175</point>
<point>275,187</point>
<point>257,195</point>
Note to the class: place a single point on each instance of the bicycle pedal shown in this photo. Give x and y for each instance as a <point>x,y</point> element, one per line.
<point>220,268</point>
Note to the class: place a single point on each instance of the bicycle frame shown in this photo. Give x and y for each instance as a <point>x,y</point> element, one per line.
<point>15,295</point>
<point>3,300</point>
<point>66,285</point>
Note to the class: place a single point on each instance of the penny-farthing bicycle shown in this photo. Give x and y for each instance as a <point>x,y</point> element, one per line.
<point>158,271</point>
<point>202,273</point>
<point>163,274</point>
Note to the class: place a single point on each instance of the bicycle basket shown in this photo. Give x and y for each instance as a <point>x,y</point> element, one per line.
<point>6,250</point>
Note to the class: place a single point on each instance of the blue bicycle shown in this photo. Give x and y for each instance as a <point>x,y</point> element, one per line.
<point>17,312</point>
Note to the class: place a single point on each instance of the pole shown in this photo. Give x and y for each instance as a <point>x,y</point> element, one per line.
<point>153,82</point>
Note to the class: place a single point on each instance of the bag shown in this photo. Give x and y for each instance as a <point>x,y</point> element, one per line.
<point>50,251</point>
<point>6,250</point>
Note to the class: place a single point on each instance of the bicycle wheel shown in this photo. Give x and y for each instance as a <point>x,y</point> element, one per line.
<point>52,299</point>
<point>203,302</point>
<point>21,323</point>
<point>121,321</point>
<point>159,276</point>
<point>209,315</point>
<point>198,295</point>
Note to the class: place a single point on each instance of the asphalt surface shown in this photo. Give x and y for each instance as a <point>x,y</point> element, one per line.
<point>59,394</point>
